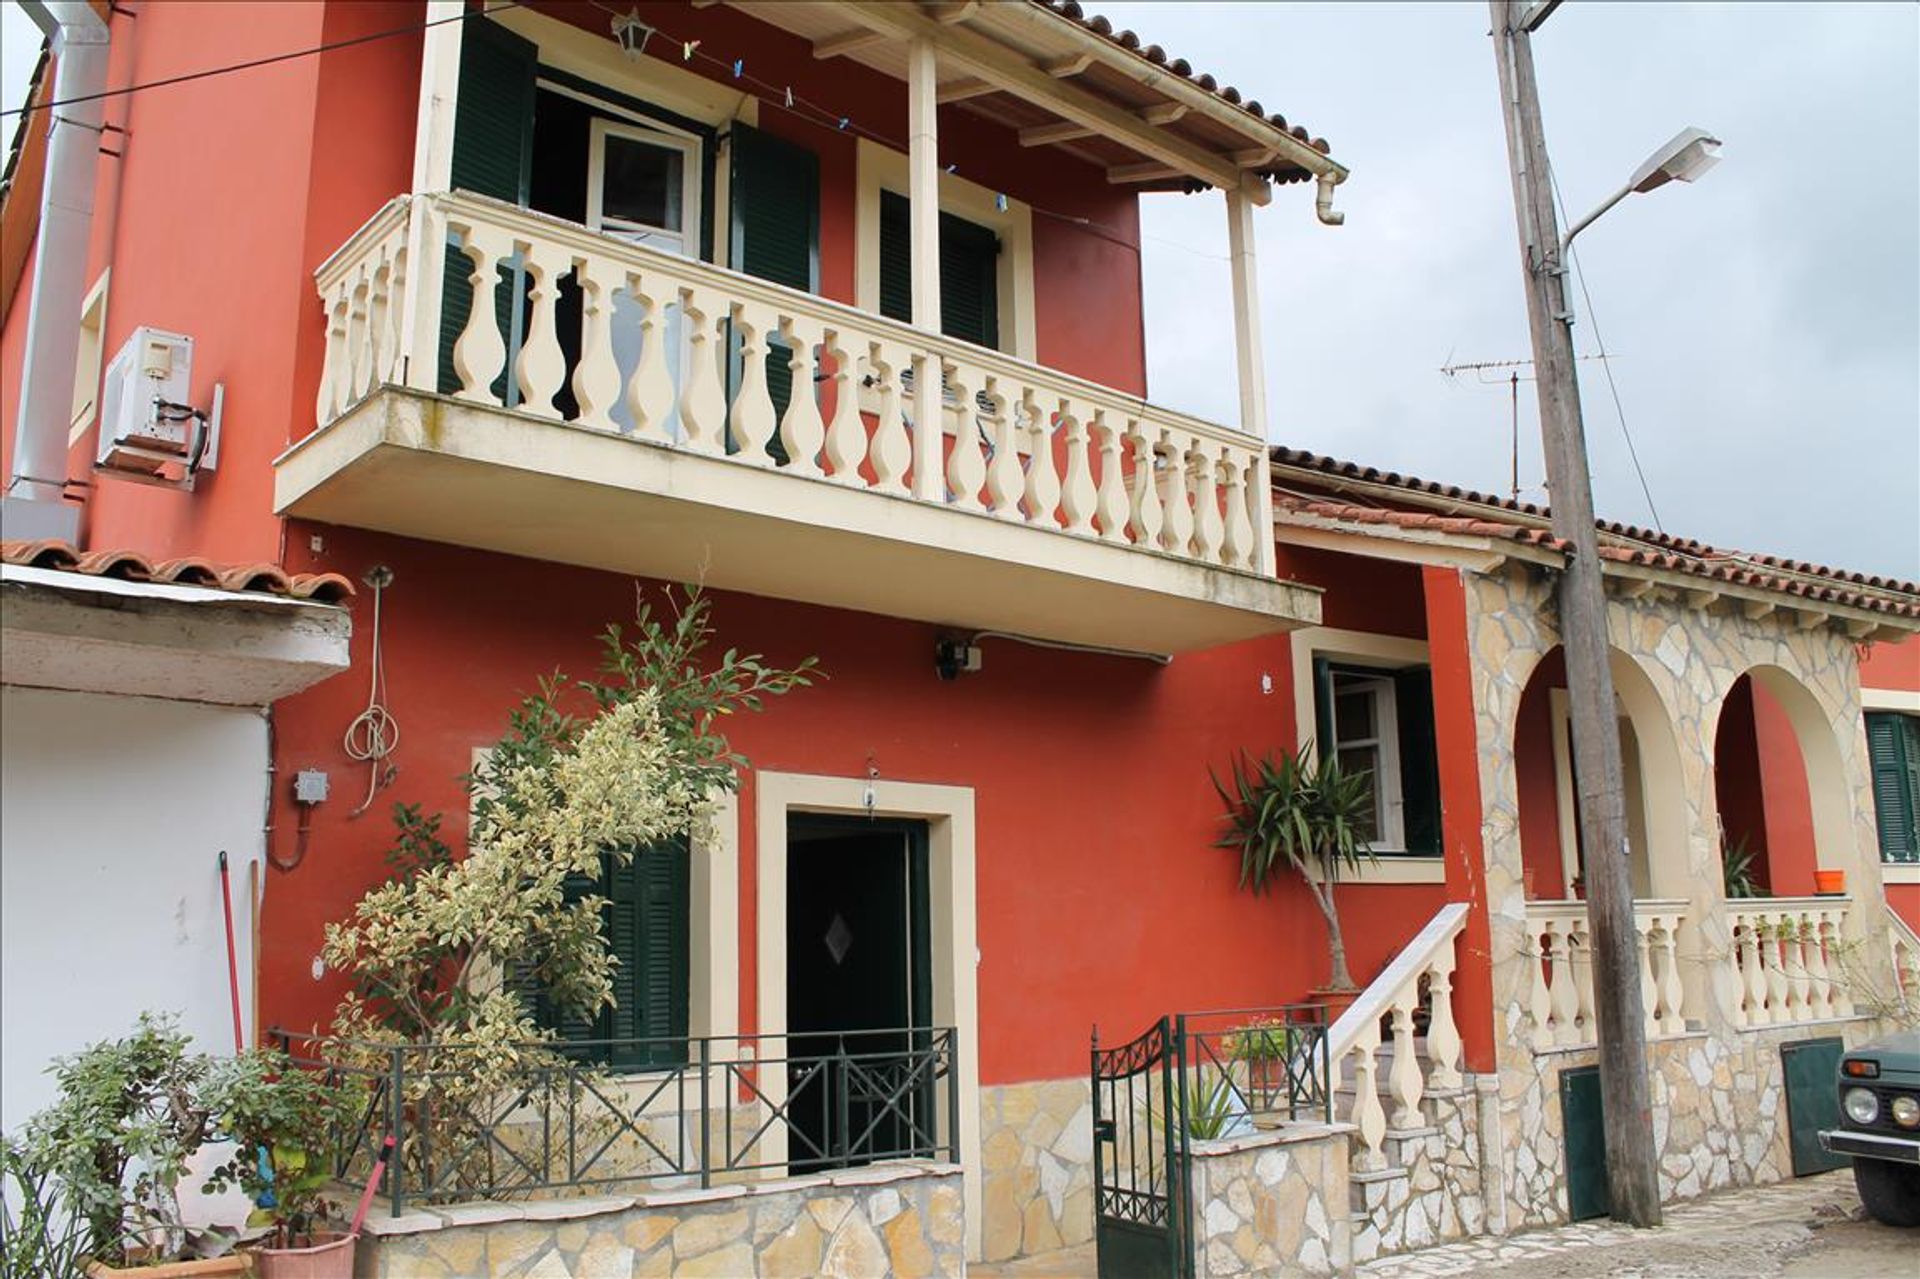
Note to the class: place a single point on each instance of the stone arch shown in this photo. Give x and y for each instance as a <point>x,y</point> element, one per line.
<point>1658,818</point>
<point>1829,793</point>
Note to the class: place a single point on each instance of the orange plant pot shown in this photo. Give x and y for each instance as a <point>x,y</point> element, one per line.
<point>331,1258</point>
<point>204,1268</point>
<point>1830,883</point>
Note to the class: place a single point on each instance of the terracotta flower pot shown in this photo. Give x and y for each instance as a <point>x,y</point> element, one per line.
<point>331,1257</point>
<point>1830,883</point>
<point>237,1264</point>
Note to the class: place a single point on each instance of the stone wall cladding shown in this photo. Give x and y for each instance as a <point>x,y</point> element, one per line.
<point>1037,1163</point>
<point>1432,1191</point>
<point>1719,1105</point>
<point>1272,1203</point>
<point>904,1219</point>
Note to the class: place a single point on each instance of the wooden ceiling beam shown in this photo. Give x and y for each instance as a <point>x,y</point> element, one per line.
<point>846,42</point>
<point>977,57</point>
<point>1043,135</point>
<point>961,90</point>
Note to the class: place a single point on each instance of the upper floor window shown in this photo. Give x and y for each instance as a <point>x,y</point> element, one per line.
<point>1893,750</point>
<point>642,185</point>
<point>1379,720</point>
<point>969,273</point>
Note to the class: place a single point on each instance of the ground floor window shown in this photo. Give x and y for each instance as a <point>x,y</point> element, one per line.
<point>646,918</point>
<point>1893,749</point>
<point>1379,720</point>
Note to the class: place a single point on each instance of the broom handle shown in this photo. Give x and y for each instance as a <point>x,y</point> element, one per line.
<point>373,1183</point>
<point>233,955</point>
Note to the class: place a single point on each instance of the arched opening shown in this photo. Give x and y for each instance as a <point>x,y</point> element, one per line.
<point>1779,783</point>
<point>1760,789</point>
<point>1550,839</point>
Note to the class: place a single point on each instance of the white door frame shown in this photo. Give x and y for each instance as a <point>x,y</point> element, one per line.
<point>952,937</point>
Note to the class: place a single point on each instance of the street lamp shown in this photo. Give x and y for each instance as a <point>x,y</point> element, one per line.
<point>1633,1179</point>
<point>1687,157</point>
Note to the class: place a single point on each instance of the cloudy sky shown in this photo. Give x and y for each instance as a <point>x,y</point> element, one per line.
<point>1764,324</point>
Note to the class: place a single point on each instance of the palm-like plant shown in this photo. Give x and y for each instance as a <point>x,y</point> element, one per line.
<point>1304,814</point>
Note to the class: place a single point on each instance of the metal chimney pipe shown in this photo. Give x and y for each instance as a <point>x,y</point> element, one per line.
<point>79,38</point>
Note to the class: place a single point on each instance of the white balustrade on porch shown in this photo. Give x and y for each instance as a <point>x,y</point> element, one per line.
<point>875,404</point>
<point>1560,996</point>
<point>1426,961</point>
<point>1905,945</point>
<point>1785,961</point>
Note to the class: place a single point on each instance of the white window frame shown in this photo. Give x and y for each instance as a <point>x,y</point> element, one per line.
<point>1387,653</point>
<point>1389,796</point>
<point>1888,699</point>
<point>666,138</point>
<point>879,168</point>
<point>89,359</point>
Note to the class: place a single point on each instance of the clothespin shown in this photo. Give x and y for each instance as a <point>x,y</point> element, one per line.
<point>686,50</point>
<point>952,167</point>
<point>843,124</point>
<point>739,65</point>
<point>999,202</point>
<point>789,97</point>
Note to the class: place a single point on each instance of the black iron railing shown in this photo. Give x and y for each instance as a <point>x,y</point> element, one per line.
<point>472,1122</point>
<point>1247,1065</point>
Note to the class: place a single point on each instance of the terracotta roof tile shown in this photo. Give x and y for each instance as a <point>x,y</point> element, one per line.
<point>1626,544</point>
<point>1074,12</point>
<point>248,579</point>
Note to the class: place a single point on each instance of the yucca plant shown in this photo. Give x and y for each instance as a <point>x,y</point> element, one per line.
<point>1301,814</point>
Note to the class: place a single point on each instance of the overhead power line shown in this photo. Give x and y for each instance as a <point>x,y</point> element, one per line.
<point>268,61</point>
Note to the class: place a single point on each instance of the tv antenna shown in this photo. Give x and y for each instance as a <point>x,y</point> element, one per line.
<point>1480,369</point>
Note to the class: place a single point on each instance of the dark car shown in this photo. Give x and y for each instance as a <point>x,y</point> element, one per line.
<point>1880,1126</point>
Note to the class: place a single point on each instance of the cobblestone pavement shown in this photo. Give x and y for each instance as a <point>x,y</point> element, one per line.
<point>1812,1228</point>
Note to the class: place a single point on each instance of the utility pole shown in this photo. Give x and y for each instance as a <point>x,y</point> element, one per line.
<point>1632,1177</point>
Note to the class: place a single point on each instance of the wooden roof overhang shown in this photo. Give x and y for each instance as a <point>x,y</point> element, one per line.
<point>1063,82</point>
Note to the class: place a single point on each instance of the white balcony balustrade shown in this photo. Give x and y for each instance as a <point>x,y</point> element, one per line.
<point>1785,966</point>
<point>572,329</point>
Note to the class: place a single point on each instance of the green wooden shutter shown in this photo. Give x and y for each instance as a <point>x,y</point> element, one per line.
<point>896,259</point>
<point>969,282</point>
<point>1893,751</point>
<point>662,875</point>
<point>1419,763</point>
<point>492,155</point>
<point>775,232</point>
<point>1322,706</point>
<point>969,273</point>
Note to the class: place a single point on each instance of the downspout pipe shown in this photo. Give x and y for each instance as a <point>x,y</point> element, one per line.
<point>33,505</point>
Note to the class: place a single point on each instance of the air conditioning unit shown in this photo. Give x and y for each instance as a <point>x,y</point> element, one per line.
<point>149,430</point>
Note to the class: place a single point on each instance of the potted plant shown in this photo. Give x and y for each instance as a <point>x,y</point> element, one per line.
<point>282,1120</point>
<point>1306,815</point>
<point>41,1233</point>
<point>1736,868</point>
<point>117,1141</point>
<point>1264,1044</point>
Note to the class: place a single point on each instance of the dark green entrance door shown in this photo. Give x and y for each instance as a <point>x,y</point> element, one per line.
<point>1811,1069</point>
<point>859,990</point>
<point>1584,1123</point>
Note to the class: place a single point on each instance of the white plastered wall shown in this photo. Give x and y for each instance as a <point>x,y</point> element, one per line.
<point>113,813</point>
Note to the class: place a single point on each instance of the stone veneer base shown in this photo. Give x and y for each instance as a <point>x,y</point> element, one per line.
<point>905,1219</point>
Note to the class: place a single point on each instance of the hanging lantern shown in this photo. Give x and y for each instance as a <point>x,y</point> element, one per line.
<point>631,33</point>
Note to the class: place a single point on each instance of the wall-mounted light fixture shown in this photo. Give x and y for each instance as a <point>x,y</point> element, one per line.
<point>631,33</point>
<point>952,657</point>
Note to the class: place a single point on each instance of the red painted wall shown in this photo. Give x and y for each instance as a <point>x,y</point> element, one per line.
<point>1100,896</point>
<point>1382,597</point>
<point>1895,665</point>
<point>1539,797</point>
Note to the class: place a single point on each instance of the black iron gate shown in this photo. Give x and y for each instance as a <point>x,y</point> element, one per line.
<point>1140,1200</point>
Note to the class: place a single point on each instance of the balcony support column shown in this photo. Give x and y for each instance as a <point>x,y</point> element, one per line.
<point>1249,357</point>
<point>923,167</point>
<point>432,171</point>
